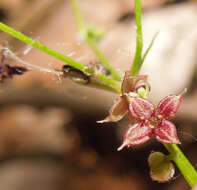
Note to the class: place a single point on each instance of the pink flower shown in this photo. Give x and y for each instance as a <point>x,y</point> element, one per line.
<point>151,121</point>
<point>121,106</point>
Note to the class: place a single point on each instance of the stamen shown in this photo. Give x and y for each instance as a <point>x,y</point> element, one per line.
<point>142,118</point>
<point>160,117</point>
<point>151,126</point>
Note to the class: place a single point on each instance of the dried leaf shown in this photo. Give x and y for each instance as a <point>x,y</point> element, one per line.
<point>131,84</point>
<point>7,71</point>
<point>118,110</point>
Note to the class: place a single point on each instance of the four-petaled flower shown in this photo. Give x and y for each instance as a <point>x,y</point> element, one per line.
<point>151,121</point>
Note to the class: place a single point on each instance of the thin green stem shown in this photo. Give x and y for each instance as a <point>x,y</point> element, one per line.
<point>90,40</point>
<point>183,164</point>
<point>103,80</point>
<point>149,47</point>
<point>79,18</point>
<point>40,46</point>
<point>137,63</point>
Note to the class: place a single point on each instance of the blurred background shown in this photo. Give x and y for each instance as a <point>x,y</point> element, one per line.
<point>49,138</point>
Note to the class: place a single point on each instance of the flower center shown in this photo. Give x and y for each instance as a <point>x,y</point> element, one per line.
<point>159,117</point>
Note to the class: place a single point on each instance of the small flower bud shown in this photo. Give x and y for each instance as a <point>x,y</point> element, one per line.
<point>131,84</point>
<point>161,168</point>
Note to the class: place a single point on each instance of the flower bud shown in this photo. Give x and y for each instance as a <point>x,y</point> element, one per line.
<point>161,168</point>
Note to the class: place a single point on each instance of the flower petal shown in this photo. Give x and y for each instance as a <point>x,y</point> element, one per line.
<point>137,134</point>
<point>140,108</point>
<point>129,83</point>
<point>166,133</point>
<point>118,110</point>
<point>168,106</point>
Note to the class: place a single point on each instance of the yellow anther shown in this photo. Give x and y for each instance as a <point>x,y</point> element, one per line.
<point>142,118</point>
<point>152,109</point>
<point>160,117</point>
<point>151,126</point>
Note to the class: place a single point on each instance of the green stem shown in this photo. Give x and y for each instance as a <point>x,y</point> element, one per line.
<point>103,80</point>
<point>149,47</point>
<point>183,164</point>
<point>40,46</point>
<point>91,42</point>
<point>79,18</point>
<point>137,63</point>
<point>89,39</point>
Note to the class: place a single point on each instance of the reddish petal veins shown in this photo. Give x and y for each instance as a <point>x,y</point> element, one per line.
<point>168,106</point>
<point>166,133</point>
<point>140,108</point>
<point>118,110</point>
<point>136,135</point>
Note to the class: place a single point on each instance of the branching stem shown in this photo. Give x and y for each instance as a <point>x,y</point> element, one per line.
<point>102,80</point>
<point>90,39</point>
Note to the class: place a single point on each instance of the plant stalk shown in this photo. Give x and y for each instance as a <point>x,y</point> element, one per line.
<point>102,80</point>
<point>137,63</point>
<point>185,167</point>
<point>90,40</point>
